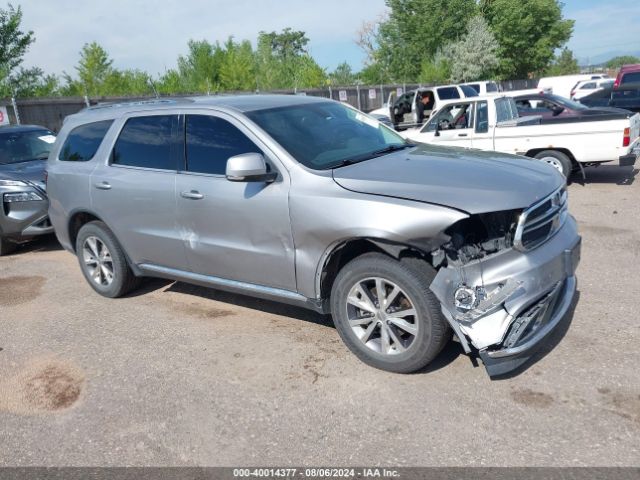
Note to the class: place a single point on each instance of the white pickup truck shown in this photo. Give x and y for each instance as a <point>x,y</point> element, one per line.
<point>492,123</point>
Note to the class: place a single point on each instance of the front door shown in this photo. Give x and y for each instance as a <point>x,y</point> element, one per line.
<point>232,230</point>
<point>452,126</point>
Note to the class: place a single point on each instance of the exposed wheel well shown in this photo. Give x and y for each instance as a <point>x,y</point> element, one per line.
<point>348,250</point>
<point>75,224</point>
<point>533,152</point>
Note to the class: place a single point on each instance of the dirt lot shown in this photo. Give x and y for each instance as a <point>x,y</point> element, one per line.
<point>179,375</point>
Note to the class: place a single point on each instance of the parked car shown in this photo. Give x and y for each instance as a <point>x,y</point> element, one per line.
<point>23,153</point>
<point>587,87</point>
<point>556,109</point>
<point>563,85</point>
<point>493,123</point>
<point>626,97</point>
<point>402,111</point>
<point>484,87</point>
<point>308,201</point>
<point>627,74</point>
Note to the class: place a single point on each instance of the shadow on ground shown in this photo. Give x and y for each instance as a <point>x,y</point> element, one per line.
<point>607,174</point>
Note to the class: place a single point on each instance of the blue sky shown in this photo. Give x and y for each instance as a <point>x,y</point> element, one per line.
<point>150,34</point>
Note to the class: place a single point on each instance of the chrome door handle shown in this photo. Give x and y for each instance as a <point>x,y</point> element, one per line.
<point>192,195</point>
<point>102,186</point>
<point>462,134</point>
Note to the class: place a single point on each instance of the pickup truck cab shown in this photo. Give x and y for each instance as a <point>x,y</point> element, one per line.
<point>402,111</point>
<point>492,123</point>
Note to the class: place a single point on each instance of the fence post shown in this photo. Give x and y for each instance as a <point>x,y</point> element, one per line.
<point>330,93</point>
<point>15,110</point>
<point>358,93</point>
<point>381,96</point>
<point>86,101</point>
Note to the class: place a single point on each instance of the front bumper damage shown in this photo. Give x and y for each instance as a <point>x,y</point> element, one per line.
<point>525,296</point>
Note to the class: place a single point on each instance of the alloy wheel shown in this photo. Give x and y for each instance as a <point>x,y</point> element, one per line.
<point>382,316</point>
<point>98,261</point>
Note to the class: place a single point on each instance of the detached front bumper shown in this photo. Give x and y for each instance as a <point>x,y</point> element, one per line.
<point>532,292</point>
<point>629,160</point>
<point>24,219</point>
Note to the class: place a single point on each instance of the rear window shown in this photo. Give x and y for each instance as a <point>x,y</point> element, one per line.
<point>83,142</point>
<point>146,142</point>
<point>633,77</point>
<point>506,109</point>
<point>447,93</point>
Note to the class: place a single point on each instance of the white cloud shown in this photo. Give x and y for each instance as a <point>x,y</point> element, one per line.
<point>150,34</point>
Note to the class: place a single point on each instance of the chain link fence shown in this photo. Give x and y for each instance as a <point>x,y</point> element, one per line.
<point>50,112</point>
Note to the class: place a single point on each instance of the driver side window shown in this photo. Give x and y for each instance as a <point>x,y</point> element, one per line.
<point>451,117</point>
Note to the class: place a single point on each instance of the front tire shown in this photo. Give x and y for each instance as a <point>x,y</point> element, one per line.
<point>6,246</point>
<point>103,262</point>
<point>386,313</point>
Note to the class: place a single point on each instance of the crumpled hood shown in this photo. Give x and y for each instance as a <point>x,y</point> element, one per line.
<point>473,181</point>
<point>27,171</point>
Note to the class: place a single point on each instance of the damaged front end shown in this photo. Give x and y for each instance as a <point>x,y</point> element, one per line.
<point>506,279</point>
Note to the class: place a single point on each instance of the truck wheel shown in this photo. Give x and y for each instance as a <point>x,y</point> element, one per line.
<point>103,261</point>
<point>6,246</point>
<point>386,314</point>
<point>557,160</point>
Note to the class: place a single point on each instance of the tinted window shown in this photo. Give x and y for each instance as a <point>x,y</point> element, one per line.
<point>492,87</point>
<point>475,86</point>
<point>631,77</point>
<point>146,142</point>
<point>588,86</point>
<point>447,93</point>
<point>82,142</point>
<point>506,109</point>
<point>468,91</point>
<point>210,141</point>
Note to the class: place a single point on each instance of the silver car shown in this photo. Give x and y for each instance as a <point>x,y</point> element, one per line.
<point>313,203</point>
<point>23,200</point>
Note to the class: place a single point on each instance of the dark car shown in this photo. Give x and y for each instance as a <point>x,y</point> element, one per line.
<point>626,97</point>
<point>554,108</point>
<point>23,156</point>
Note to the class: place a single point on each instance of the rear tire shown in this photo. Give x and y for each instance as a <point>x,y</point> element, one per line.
<point>558,160</point>
<point>103,262</point>
<point>380,331</point>
<point>7,246</point>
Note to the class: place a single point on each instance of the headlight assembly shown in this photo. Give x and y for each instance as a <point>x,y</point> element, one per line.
<point>22,197</point>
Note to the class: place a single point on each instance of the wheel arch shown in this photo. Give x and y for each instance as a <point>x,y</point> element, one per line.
<point>342,252</point>
<point>534,151</point>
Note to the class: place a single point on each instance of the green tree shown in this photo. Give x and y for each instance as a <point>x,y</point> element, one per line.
<point>170,83</point>
<point>29,83</point>
<point>342,75</point>
<point>437,70</point>
<point>416,29</point>
<point>617,62</point>
<point>528,32</point>
<point>127,82</point>
<point>374,74</point>
<point>200,68</point>
<point>564,64</point>
<point>93,68</point>
<point>13,41</point>
<point>474,56</point>
<point>237,68</point>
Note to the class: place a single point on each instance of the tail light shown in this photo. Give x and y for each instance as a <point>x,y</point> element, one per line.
<point>573,92</point>
<point>626,137</point>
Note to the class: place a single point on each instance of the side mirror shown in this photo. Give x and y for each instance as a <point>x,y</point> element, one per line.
<point>436,132</point>
<point>249,167</point>
<point>557,110</point>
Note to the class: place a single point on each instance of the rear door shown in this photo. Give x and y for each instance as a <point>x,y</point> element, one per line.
<point>134,191</point>
<point>233,230</point>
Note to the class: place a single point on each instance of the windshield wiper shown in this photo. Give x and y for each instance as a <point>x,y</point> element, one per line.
<point>370,155</point>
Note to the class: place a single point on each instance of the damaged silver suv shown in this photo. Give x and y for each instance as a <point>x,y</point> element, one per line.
<point>310,202</point>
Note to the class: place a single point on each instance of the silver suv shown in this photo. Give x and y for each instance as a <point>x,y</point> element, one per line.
<point>310,202</point>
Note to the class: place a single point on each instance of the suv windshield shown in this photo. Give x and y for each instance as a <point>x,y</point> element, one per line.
<point>16,147</point>
<point>327,135</point>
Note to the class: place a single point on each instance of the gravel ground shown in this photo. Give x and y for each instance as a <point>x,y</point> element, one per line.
<point>180,375</point>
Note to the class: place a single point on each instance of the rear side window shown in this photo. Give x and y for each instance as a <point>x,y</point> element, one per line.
<point>492,87</point>
<point>82,142</point>
<point>631,78</point>
<point>211,141</point>
<point>506,109</point>
<point>588,86</point>
<point>482,117</point>
<point>447,93</point>
<point>475,86</point>
<point>146,142</point>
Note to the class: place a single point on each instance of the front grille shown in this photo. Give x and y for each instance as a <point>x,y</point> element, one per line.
<point>541,221</point>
